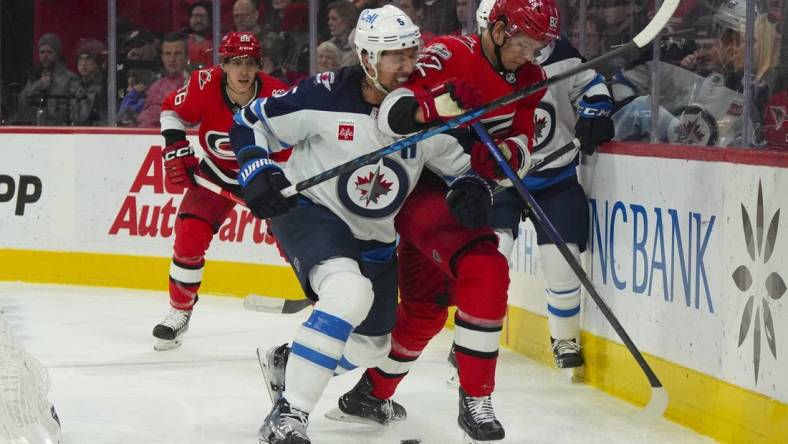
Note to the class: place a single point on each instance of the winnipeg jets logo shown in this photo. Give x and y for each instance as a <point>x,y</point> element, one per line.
<point>325,79</point>
<point>778,115</point>
<point>374,191</point>
<point>373,186</point>
<point>544,124</point>
<point>695,127</point>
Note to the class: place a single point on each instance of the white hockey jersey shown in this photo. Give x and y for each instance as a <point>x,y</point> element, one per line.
<point>556,114</point>
<point>328,123</point>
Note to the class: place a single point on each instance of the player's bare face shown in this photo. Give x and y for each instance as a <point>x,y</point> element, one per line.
<point>241,73</point>
<point>519,50</point>
<point>394,67</point>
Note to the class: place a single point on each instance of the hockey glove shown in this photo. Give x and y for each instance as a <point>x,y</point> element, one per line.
<point>261,181</point>
<point>180,163</point>
<point>594,125</point>
<point>483,162</point>
<point>447,100</point>
<point>470,200</point>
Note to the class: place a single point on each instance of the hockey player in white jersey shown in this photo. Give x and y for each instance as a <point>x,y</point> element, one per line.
<point>339,235</point>
<point>577,107</point>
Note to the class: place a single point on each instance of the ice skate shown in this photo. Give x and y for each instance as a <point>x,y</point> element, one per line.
<point>358,405</point>
<point>284,425</point>
<point>169,332</point>
<point>454,378</point>
<point>477,419</point>
<point>273,363</point>
<point>566,353</point>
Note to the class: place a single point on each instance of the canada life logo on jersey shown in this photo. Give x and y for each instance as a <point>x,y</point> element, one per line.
<point>345,130</point>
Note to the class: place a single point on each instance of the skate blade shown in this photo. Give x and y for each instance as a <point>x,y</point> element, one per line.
<point>575,374</point>
<point>338,415</point>
<point>468,440</point>
<point>166,344</point>
<point>273,393</point>
<point>453,380</point>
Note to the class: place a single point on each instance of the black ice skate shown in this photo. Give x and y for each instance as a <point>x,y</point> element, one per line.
<point>566,353</point>
<point>273,365</point>
<point>168,333</point>
<point>358,405</point>
<point>284,425</point>
<point>454,378</point>
<point>477,419</point>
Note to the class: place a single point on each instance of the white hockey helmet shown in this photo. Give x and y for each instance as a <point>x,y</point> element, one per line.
<point>731,14</point>
<point>384,29</point>
<point>482,12</point>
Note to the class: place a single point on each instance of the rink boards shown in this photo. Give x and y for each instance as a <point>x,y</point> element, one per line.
<point>688,256</point>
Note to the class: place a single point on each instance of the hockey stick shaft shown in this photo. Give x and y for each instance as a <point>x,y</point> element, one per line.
<point>272,304</point>
<point>541,219</point>
<point>648,33</point>
<point>216,188</point>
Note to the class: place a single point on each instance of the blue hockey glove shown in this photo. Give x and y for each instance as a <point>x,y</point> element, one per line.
<point>261,183</point>
<point>470,200</point>
<point>594,125</point>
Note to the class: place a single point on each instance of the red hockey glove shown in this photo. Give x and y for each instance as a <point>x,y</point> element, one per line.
<point>447,100</point>
<point>180,163</point>
<point>484,163</point>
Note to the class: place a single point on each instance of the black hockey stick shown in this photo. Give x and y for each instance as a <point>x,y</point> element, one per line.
<point>645,36</point>
<point>273,304</point>
<point>659,397</point>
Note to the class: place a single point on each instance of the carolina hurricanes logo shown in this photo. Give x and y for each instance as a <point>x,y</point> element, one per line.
<point>203,77</point>
<point>219,144</point>
<point>374,191</point>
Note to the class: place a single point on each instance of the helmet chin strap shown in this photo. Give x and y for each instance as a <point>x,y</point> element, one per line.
<point>374,79</point>
<point>497,63</point>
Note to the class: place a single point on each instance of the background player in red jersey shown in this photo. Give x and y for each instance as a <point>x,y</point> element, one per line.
<point>442,262</point>
<point>211,98</point>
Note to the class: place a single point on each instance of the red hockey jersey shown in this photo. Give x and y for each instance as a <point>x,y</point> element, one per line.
<point>461,57</point>
<point>204,101</point>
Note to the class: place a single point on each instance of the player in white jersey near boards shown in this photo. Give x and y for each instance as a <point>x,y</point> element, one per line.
<point>579,106</point>
<point>339,235</point>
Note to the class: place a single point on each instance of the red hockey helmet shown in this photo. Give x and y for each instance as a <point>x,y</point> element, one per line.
<point>538,19</point>
<point>240,44</point>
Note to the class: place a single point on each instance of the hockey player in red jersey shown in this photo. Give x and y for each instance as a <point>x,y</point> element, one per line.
<point>210,98</point>
<point>454,261</point>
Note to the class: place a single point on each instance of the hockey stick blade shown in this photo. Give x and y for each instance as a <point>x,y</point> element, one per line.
<point>645,36</point>
<point>275,305</point>
<point>659,399</point>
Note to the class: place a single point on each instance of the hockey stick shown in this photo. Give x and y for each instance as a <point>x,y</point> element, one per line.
<point>659,397</point>
<point>648,33</point>
<point>216,188</point>
<point>272,304</point>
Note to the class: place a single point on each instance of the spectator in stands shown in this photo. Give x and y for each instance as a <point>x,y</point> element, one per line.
<point>92,104</point>
<point>134,100</point>
<point>342,16</point>
<point>246,15</point>
<point>273,21</point>
<point>415,10</point>
<point>466,26</point>
<point>198,35</point>
<point>49,97</point>
<point>623,19</point>
<point>327,57</point>
<point>139,44</point>
<point>295,32</point>
<point>440,17</point>
<point>595,36</point>
<point>173,56</point>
